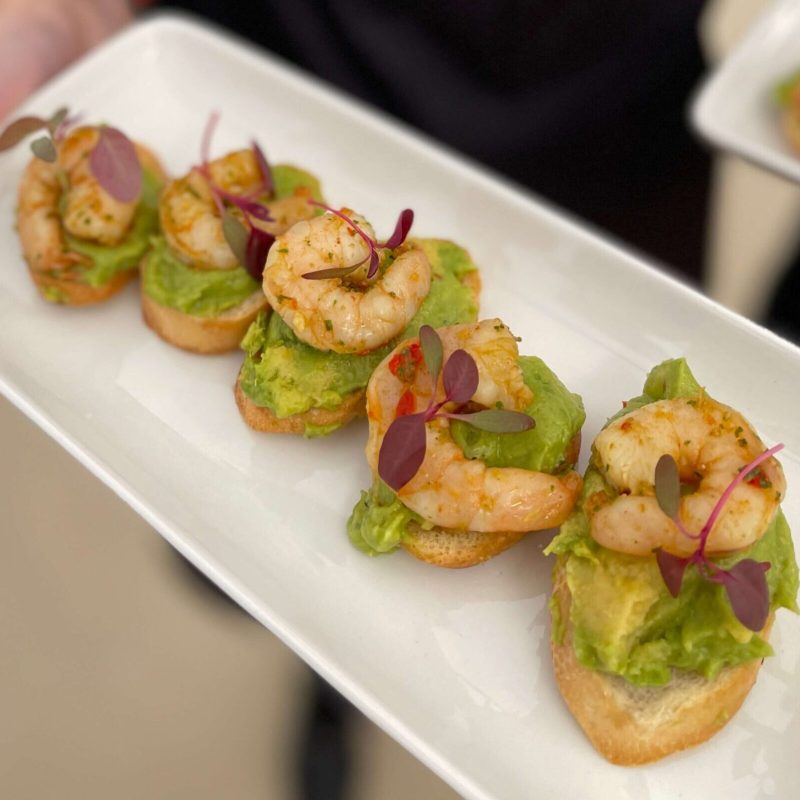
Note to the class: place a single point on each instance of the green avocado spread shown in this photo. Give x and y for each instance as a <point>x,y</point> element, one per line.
<point>558,413</point>
<point>201,292</point>
<point>289,377</point>
<point>379,521</point>
<point>625,622</point>
<point>208,292</point>
<point>107,261</point>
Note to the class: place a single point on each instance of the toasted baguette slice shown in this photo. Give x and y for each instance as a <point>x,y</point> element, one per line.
<point>458,549</point>
<point>264,420</point>
<point>205,335</point>
<point>71,292</point>
<point>630,724</point>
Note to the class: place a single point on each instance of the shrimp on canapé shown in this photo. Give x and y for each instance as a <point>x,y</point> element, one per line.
<point>354,313</point>
<point>190,215</point>
<point>449,489</point>
<point>710,443</point>
<point>89,211</point>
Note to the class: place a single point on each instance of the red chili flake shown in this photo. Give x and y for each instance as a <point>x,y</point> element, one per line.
<point>627,425</point>
<point>407,404</point>
<point>757,478</point>
<point>404,364</point>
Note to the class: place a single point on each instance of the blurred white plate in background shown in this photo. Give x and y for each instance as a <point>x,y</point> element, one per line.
<point>455,665</point>
<point>735,108</point>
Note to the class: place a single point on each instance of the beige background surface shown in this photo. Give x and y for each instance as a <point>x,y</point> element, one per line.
<point>123,676</point>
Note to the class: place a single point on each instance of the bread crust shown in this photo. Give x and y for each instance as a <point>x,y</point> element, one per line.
<point>632,725</point>
<point>264,420</point>
<point>203,335</point>
<point>457,549</point>
<point>74,293</point>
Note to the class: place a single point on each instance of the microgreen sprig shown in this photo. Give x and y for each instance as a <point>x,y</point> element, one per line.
<point>401,229</point>
<point>249,243</point>
<point>403,448</point>
<point>745,582</point>
<point>43,147</point>
<point>113,160</point>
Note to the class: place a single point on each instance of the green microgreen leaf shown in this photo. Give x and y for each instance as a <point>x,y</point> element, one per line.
<point>431,346</point>
<point>496,420</point>
<point>236,235</point>
<point>668,485</point>
<point>55,121</point>
<point>44,148</point>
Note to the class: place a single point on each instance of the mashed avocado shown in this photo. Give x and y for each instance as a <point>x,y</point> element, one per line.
<point>108,261</point>
<point>289,377</point>
<point>624,621</point>
<point>202,292</point>
<point>379,520</point>
<point>559,416</point>
<point>209,292</point>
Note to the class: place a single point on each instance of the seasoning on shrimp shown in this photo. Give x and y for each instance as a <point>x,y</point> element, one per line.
<point>710,443</point>
<point>352,313</point>
<point>86,207</point>
<point>191,218</point>
<point>448,489</point>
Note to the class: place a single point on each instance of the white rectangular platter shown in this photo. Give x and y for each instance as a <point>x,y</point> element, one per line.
<point>455,665</point>
<point>735,108</point>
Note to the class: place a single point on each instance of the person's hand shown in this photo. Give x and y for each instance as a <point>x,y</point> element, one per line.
<point>40,37</point>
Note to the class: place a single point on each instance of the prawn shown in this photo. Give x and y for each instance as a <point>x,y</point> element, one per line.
<point>449,489</point>
<point>351,314</point>
<point>190,215</point>
<point>64,196</point>
<point>710,443</point>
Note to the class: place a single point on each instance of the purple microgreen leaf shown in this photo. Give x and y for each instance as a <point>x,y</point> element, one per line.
<point>497,420</point>
<point>256,210</point>
<point>258,245</point>
<point>748,594</point>
<point>431,346</point>
<point>402,450</point>
<point>115,165</point>
<point>668,485</point>
<point>250,207</point>
<point>401,229</point>
<point>717,510</point>
<point>672,569</point>
<point>44,148</point>
<point>208,134</point>
<point>460,377</point>
<point>19,129</point>
<point>55,122</point>
<point>236,235</point>
<point>264,168</point>
<point>374,261</point>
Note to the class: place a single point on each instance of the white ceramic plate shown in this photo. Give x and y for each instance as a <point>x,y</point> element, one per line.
<point>455,665</point>
<point>735,108</point>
